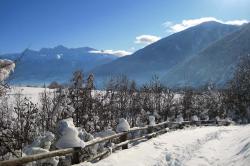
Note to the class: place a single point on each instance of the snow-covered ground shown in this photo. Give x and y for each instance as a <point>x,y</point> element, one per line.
<point>217,146</point>
<point>31,93</point>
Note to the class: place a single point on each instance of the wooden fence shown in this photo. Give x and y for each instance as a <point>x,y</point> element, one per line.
<point>122,141</point>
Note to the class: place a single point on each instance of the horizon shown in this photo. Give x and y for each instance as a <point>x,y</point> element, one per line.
<point>107,26</point>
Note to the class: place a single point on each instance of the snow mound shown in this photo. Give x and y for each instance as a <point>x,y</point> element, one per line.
<point>179,119</point>
<point>194,118</point>
<point>69,135</point>
<point>122,125</point>
<point>151,120</point>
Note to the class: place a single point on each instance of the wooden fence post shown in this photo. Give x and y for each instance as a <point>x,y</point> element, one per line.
<point>76,156</point>
<point>124,138</point>
<point>181,125</point>
<point>150,130</point>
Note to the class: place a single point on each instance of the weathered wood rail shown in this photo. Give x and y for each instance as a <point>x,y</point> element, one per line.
<point>152,131</point>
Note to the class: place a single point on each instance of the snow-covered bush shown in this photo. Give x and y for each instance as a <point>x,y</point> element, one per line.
<point>206,118</point>
<point>69,135</point>
<point>41,145</point>
<point>194,118</point>
<point>217,118</point>
<point>85,136</point>
<point>43,141</point>
<point>101,146</point>
<point>179,119</point>
<point>104,133</point>
<point>151,120</point>
<point>53,161</point>
<point>122,125</point>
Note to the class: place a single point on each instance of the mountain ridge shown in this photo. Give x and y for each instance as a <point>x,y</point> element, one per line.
<point>214,64</point>
<point>53,64</point>
<point>159,57</point>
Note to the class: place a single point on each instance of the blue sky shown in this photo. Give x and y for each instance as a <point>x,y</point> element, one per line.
<point>124,25</point>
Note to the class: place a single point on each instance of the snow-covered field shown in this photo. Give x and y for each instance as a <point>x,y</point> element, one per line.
<point>31,93</point>
<point>217,146</point>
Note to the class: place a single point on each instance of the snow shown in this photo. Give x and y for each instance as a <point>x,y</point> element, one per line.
<point>41,145</point>
<point>122,125</point>
<point>69,135</point>
<point>53,161</point>
<point>104,133</point>
<point>151,120</point>
<point>179,119</point>
<point>43,141</point>
<point>31,93</point>
<point>6,67</point>
<point>194,118</point>
<point>223,146</point>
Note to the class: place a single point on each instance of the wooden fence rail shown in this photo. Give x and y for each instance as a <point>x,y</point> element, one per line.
<point>123,137</point>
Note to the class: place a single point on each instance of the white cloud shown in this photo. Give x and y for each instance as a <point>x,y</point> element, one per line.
<point>173,28</point>
<point>167,24</point>
<point>119,53</point>
<point>146,39</point>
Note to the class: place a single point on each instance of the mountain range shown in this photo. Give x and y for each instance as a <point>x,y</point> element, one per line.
<point>206,53</point>
<point>166,53</point>
<point>53,64</point>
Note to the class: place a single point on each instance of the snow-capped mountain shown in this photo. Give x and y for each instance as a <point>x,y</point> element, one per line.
<point>215,64</point>
<point>54,64</point>
<point>161,56</point>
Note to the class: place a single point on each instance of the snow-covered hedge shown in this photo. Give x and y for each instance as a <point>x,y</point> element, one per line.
<point>122,125</point>
<point>151,120</point>
<point>41,145</point>
<point>179,119</point>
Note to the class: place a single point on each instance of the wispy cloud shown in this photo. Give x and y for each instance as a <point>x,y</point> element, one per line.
<point>167,24</point>
<point>118,53</point>
<point>173,28</point>
<point>146,39</point>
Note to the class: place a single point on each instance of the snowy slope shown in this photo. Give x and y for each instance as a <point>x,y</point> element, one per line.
<point>220,146</point>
